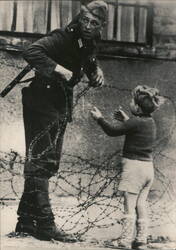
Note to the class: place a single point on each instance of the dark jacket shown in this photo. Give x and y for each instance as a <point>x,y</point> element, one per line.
<point>48,92</point>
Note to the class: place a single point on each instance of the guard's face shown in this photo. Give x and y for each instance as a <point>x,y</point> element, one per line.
<point>90,26</point>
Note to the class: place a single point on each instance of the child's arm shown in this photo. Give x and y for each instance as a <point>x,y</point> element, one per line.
<point>109,129</point>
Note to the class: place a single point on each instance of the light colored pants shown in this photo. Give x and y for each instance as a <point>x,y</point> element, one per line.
<point>136,180</point>
<point>136,177</point>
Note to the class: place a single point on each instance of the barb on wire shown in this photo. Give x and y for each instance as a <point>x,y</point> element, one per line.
<point>92,185</point>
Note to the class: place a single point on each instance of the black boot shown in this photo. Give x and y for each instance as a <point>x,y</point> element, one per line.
<point>25,225</point>
<point>46,228</point>
<point>139,245</point>
<point>27,209</point>
<point>48,231</point>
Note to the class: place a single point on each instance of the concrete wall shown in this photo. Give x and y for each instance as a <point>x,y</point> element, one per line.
<point>121,75</point>
<point>84,139</point>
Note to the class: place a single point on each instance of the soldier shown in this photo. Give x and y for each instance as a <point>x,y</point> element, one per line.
<point>59,59</point>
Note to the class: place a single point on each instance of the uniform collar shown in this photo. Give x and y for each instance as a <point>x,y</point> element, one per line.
<point>80,43</point>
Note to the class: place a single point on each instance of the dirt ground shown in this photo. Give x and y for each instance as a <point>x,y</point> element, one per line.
<point>94,239</point>
<point>122,75</point>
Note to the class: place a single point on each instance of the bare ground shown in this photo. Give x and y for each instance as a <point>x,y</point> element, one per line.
<point>94,239</point>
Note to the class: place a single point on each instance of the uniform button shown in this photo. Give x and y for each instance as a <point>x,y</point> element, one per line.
<point>93,59</point>
<point>71,30</point>
<point>48,86</point>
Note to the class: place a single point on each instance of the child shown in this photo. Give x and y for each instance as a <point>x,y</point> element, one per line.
<point>137,172</point>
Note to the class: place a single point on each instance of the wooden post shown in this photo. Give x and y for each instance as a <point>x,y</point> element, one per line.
<point>13,27</point>
<point>136,22</point>
<point>149,32</point>
<point>48,28</point>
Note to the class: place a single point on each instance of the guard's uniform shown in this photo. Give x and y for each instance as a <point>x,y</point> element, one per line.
<point>47,106</point>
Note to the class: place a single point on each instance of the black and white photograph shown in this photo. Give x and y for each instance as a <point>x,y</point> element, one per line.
<point>88,124</point>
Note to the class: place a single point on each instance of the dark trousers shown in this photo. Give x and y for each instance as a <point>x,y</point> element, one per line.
<point>44,132</point>
<point>35,203</point>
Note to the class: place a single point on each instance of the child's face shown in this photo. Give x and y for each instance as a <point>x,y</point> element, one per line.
<point>134,107</point>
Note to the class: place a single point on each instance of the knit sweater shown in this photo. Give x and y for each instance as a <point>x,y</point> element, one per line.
<point>140,136</point>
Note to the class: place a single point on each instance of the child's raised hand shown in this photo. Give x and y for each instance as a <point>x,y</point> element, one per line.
<point>96,113</point>
<point>120,115</point>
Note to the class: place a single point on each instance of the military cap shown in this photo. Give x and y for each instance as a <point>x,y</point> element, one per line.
<point>97,8</point>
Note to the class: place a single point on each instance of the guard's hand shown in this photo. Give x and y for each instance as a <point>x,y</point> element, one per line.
<point>96,114</point>
<point>97,78</point>
<point>63,72</point>
<point>120,115</point>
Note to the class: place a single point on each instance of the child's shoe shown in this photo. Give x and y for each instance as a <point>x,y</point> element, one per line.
<point>125,239</point>
<point>140,242</point>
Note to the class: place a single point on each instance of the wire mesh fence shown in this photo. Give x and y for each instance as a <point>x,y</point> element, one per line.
<point>92,183</point>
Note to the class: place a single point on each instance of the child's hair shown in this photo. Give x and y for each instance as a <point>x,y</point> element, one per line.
<point>147,98</point>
